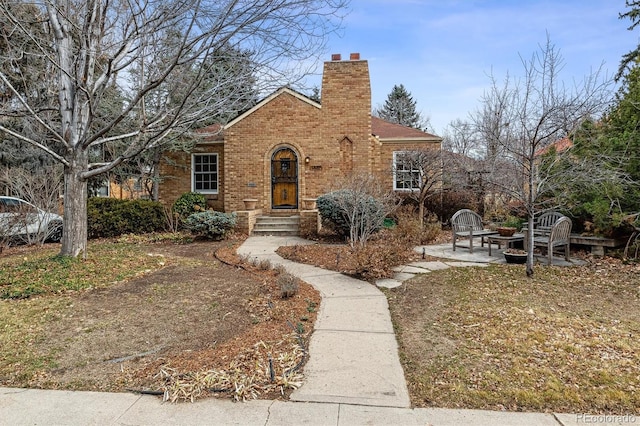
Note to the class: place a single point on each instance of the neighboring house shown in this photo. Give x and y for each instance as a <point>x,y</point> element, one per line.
<point>561,145</point>
<point>288,147</point>
<point>131,189</point>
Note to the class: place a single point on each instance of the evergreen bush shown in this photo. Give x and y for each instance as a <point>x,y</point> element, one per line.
<point>189,203</point>
<point>110,217</point>
<point>344,208</point>
<point>211,224</point>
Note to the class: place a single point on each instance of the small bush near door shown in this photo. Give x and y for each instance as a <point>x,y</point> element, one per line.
<point>211,224</point>
<point>342,209</point>
<point>189,203</point>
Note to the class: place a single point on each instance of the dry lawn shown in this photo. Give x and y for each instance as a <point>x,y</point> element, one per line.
<point>180,321</point>
<point>143,316</point>
<point>567,340</point>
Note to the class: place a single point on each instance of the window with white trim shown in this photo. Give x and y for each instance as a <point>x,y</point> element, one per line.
<point>204,177</point>
<point>406,173</point>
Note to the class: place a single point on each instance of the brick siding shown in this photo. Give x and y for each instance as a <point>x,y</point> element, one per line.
<point>335,138</point>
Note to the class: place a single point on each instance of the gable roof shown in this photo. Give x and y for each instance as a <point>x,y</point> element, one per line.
<point>386,130</point>
<point>268,99</point>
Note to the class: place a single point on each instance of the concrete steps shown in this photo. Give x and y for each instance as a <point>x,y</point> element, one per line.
<point>277,225</point>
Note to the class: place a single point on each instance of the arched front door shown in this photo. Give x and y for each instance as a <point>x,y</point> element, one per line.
<point>284,179</point>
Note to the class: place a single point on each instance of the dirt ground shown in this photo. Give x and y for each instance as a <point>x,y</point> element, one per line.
<point>194,315</point>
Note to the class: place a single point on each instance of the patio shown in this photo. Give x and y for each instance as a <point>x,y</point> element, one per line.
<point>481,254</point>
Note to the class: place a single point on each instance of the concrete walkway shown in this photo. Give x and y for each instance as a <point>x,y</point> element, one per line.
<point>354,353</point>
<point>353,376</point>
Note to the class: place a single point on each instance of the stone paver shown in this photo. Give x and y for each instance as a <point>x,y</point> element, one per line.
<point>411,269</point>
<point>432,265</point>
<point>402,276</point>
<point>388,283</point>
<point>466,264</point>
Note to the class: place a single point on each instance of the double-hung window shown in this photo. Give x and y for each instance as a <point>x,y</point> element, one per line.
<point>406,172</point>
<point>205,173</point>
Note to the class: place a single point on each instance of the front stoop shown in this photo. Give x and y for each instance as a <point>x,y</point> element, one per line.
<point>277,225</point>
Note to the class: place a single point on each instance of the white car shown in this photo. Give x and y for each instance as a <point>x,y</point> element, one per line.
<point>22,221</point>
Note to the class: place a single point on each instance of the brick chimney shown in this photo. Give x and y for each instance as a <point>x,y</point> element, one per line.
<point>346,106</point>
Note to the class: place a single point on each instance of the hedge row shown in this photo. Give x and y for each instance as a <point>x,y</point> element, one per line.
<point>110,217</point>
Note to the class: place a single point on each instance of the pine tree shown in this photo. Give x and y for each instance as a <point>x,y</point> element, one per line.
<point>400,108</point>
<point>633,14</point>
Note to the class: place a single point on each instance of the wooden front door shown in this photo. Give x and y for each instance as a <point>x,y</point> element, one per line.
<point>284,179</point>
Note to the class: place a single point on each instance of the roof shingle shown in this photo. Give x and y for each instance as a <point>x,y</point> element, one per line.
<point>386,130</point>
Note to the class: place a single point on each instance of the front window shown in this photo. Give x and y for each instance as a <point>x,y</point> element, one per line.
<point>406,172</point>
<point>205,173</point>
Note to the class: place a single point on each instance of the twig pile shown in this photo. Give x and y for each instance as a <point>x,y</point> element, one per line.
<point>264,368</point>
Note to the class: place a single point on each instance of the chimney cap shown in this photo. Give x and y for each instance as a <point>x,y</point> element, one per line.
<point>336,57</point>
<point>354,57</point>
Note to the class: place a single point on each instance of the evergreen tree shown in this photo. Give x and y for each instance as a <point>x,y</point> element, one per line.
<point>25,70</point>
<point>622,126</point>
<point>608,147</point>
<point>400,108</point>
<point>634,15</point>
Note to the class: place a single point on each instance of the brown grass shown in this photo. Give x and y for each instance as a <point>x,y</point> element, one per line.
<point>149,316</point>
<point>490,338</point>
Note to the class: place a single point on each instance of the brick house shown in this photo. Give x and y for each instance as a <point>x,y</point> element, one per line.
<point>289,148</point>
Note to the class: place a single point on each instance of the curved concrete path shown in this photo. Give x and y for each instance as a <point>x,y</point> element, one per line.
<point>353,350</point>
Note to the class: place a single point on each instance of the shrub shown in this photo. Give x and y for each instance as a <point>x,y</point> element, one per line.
<point>288,285</point>
<point>189,203</point>
<point>345,208</point>
<point>110,217</point>
<point>331,214</point>
<point>514,222</point>
<point>377,259</point>
<point>452,201</point>
<point>408,227</point>
<point>211,224</point>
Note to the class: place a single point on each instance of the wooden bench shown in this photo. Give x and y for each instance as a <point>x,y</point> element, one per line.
<point>597,245</point>
<point>559,236</point>
<point>466,223</point>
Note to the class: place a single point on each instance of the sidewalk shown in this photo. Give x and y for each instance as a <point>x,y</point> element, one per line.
<point>44,407</point>
<point>353,376</point>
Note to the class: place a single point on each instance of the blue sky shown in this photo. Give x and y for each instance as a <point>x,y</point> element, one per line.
<point>443,51</point>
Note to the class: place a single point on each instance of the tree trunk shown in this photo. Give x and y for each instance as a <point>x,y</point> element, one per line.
<point>421,212</point>
<point>74,237</point>
<point>531,197</point>
<point>530,246</point>
<point>155,181</point>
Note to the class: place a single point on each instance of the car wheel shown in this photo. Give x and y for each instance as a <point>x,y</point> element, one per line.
<point>54,233</point>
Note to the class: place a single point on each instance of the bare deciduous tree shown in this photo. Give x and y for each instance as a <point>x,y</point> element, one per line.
<point>461,138</point>
<point>89,46</point>
<point>522,116</point>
